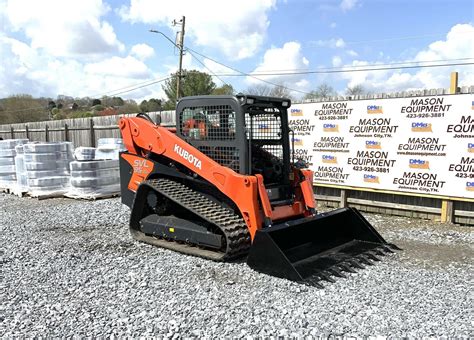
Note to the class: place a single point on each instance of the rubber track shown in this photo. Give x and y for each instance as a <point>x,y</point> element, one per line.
<point>232,226</point>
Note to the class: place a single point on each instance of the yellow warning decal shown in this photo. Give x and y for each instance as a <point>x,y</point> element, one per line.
<point>171,230</point>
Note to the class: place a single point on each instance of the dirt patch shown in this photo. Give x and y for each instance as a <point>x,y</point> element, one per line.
<point>434,255</point>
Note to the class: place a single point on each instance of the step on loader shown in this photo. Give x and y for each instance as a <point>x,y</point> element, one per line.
<point>224,184</point>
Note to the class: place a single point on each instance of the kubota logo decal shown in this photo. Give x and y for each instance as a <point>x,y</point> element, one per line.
<point>187,156</point>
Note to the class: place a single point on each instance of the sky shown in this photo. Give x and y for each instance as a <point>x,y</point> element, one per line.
<point>97,47</point>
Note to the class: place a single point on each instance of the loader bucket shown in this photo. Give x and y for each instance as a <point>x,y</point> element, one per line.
<point>317,248</point>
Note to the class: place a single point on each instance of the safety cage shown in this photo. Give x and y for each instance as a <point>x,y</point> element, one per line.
<point>244,135</point>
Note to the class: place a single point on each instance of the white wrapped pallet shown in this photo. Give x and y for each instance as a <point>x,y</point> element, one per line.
<point>84,153</point>
<point>109,148</point>
<point>47,167</point>
<point>7,162</point>
<point>93,179</point>
<point>93,165</point>
<point>21,174</point>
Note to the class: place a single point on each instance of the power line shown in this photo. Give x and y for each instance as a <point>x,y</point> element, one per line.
<point>151,81</point>
<point>139,87</point>
<point>217,62</point>
<point>345,70</point>
<point>409,37</point>
<point>323,43</point>
<point>378,65</point>
<point>207,68</point>
<point>246,74</point>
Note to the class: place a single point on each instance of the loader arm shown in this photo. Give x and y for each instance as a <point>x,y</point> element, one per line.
<point>142,137</point>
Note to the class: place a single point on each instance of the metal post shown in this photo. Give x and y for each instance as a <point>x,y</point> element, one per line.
<point>180,67</point>
<point>46,132</point>
<point>92,132</point>
<point>66,132</point>
<point>27,132</point>
<point>12,132</point>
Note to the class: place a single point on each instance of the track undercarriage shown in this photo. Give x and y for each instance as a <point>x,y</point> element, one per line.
<point>185,220</point>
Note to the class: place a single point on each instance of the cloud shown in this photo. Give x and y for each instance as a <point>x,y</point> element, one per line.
<point>53,47</point>
<point>459,43</point>
<point>128,67</point>
<point>288,57</point>
<point>332,43</point>
<point>238,32</point>
<point>352,53</point>
<point>18,60</point>
<point>336,61</point>
<point>347,5</point>
<point>63,28</point>
<point>28,70</point>
<point>142,51</point>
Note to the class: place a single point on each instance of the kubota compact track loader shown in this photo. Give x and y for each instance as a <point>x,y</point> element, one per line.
<point>224,184</point>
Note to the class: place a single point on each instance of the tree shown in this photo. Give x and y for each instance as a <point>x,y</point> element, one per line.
<point>193,83</point>
<point>129,106</point>
<point>81,114</point>
<point>152,105</point>
<point>278,90</point>
<point>112,101</point>
<point>22,108</point>
<point>97,108</point>
<point>259,90</point>
<point>58,114</point>
<point>225,89</point>
<point>143,106</point>
<point>96,102</point>
<point>65,99</point>
<point>322,91</point>
<point>355,90</point>
<point>83,101</point>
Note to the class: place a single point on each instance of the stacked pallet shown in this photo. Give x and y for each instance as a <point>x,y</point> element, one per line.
<point>7,162</point>
<point>95,173</point>
<point>47,167</point>
<point>109,148</point>
<point>94,179</point>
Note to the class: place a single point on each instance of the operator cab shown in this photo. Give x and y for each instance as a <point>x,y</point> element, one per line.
<point>248,134</point>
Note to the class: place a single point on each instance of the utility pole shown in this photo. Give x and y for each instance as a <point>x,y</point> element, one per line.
<point>180,46</point>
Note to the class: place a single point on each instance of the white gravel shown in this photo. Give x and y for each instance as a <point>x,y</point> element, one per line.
<point>70,268</point>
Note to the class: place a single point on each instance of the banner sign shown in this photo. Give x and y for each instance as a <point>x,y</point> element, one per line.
<point>422,145</point>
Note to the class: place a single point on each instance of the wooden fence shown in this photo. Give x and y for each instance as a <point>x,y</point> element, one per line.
<point>79,131</point>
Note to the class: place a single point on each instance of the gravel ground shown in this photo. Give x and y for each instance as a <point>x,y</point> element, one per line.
<point>70,268</point>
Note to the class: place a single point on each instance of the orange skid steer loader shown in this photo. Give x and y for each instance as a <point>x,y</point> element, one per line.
<point>224,184</point>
